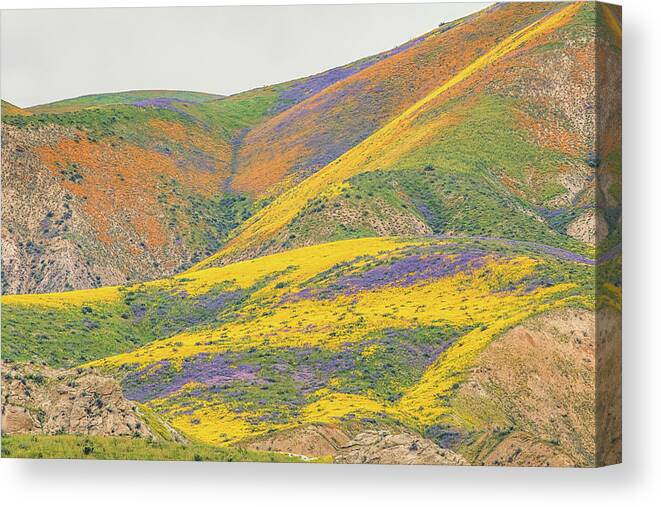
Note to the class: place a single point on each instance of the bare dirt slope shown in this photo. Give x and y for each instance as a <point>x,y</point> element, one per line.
<point>539,378</point>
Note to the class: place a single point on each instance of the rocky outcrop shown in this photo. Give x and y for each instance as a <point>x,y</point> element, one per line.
<point>381,447</point>
<point>38,399</point>
<point>311,441</point>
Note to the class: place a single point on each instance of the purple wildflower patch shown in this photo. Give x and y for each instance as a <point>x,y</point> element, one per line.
<point>559,253</point>
<point>163,103</point>
<point>310,86</point>
<point>170,104</point>
<point>404,272</point>
<point>162,379</point>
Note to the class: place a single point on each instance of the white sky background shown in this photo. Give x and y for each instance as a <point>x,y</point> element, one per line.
<point>52,54</point>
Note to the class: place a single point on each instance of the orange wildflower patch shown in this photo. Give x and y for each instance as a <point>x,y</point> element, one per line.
<point>312,133</point>
<point>172,130</point>
<point>193,139</point>
<point>117,183</point>
<point>267,167</point>
<point>551,135</point>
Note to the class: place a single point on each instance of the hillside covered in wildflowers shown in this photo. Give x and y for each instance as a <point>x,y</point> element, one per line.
<point>413,258</point>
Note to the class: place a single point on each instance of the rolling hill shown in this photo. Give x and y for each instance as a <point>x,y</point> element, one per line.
<point>10,109</point>
<point>145,184</point>
<point>382,331</point>
<point>111,188</point>
<point>302,140</point>
<point>119,98</point>
<point>481,154</point>
<point>418,251</point>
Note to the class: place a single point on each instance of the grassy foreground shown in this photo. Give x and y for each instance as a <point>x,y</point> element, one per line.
<point>125,448</point>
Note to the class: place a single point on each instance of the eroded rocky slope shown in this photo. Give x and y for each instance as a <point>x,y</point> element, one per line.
<point>38,399</point>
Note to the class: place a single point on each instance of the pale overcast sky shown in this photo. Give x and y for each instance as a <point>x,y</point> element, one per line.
<point>51,54</point>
